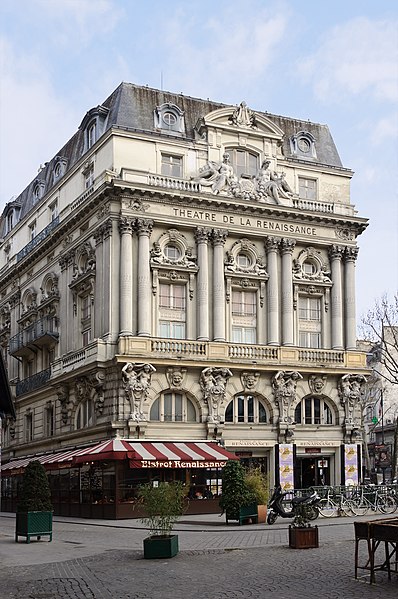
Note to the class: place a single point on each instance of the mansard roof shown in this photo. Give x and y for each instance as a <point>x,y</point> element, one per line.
<point>132,107</point>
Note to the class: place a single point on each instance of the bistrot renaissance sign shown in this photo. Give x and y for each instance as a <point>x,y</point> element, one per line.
<point>176,464</point>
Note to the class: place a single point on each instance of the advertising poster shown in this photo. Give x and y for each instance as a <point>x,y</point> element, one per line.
<point>351,464</point>
<point>286,470</point>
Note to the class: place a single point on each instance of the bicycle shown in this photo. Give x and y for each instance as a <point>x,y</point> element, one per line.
<point>336,504</point>
<point>374,498</point>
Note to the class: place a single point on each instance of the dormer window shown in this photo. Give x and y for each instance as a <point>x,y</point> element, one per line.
<point>93,125</point>
<point>11,218</point>
<point>169,117</point>
<point>302,145</point>
<point>38,190</point>
<point>59,168</point>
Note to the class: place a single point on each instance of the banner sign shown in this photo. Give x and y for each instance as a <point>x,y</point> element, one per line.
<point>286,470</point>
<point>176,464</point>
<point>351,464</point>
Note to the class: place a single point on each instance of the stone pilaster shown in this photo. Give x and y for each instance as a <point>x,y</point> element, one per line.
<point>219,236</point>
<point>126,276</point>
<point>272,248</point>
<point>287,246</point>
<point>202,236</point>
<point>144,229</point>
<point>350,256</point>
<point>336,253</point>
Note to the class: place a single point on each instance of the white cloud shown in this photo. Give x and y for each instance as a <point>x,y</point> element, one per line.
<point>238,49</point>
<point>385,128</point>
<point>360,56</point>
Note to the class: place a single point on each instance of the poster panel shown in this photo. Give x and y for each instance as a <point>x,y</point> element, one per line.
<point>286,466</point>
<point>351,474</point>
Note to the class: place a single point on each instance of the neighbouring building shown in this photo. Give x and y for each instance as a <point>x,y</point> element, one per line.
<point>177,288</point>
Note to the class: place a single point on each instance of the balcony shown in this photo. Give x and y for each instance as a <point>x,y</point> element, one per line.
<point>41,333</point>
<point>151,348</point>
<point>32,382</point>
<point>38,239</point>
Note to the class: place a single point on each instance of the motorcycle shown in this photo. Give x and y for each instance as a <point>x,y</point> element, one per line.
<point>277,505</point>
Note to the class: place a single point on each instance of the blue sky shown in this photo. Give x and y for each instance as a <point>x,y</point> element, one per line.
<point>329,62</point>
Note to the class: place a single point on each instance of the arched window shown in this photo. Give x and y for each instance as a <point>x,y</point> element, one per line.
<point>173,407</point>
<point>313,410</point>
<point>245,408</point>
<point>85,414</point>
<point>243,162</point>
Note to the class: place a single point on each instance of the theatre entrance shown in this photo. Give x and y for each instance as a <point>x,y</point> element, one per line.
<point>311,472</point>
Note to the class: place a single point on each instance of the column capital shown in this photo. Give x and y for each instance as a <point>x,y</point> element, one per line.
<point>272,244</point>
<point>336,252</point>
<point>126,225</point>
<point>144,226</point>
<point>287,245</point>
<point>219,236</point>
<point>202,234</point>
<point>351,254</point>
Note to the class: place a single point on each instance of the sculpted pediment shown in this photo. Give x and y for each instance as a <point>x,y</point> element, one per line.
<point>239,118</point>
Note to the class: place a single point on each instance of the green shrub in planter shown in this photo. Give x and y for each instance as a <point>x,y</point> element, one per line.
<point>163,505</point>
<point>235,491</point>
<point>34,509</point>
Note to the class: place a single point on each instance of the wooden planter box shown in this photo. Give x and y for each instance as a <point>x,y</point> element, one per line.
<point>33,524</point>
<point>246,513</point>
<point>160,547</point>
<point>303,538</point>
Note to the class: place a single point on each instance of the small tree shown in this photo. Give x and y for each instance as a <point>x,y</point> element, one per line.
<point>163,505</point>
<point>235,491</point>
<point>36,493</point>
<point>258,485</point>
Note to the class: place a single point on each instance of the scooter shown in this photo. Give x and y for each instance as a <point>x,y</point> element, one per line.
<point>277,503</point>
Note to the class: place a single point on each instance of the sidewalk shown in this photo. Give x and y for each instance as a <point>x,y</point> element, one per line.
<point>103,559</point>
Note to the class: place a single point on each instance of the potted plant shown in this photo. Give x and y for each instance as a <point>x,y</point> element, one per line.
<point>163,503</point>
<point>34,516</point>
<point>237,501</point>
<point>258,485</point>
<point>302,535</point>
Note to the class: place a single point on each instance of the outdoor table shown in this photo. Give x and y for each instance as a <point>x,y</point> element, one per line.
<point>377,533</point>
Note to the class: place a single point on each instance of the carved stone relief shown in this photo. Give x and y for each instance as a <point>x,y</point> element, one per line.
<point>351,388</point>
<point>213,382</point>
<point>175,377</point>
<point>137,382</point>
<point>284,385</point>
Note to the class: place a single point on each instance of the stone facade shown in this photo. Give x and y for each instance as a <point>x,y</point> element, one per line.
<point>185,270</point>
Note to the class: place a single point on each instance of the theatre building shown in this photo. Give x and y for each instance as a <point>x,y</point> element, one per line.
<point>177,289</point>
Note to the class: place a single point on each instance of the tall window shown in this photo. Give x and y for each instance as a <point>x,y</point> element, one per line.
<point>244,316</point>
<point>173,407</point>
<point>91,135</point>
<point>310,324</point>
<point>243,162</point>
<point>172,311</point>
<point>313,410</point>
<point>50,420</point>
<point>245,408</point>
<point>32,230</point>
<point>53,211</point>
<point>85,414</point>
<point>307,188</point>
<point>86,319</point>
<point>89,176</point>
<point>28,427</point>
<point>171,165</point>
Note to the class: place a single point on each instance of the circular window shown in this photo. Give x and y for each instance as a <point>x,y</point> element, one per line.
<point>172,252</point>
<point>303,145</point>
<point>169,118</point>
<point>309,268</point>
<point>243,260</point>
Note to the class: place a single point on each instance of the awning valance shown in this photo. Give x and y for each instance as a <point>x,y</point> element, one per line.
<point>141,454</point>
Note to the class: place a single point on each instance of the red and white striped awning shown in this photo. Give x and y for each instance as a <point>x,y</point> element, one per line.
<point>142,454</point>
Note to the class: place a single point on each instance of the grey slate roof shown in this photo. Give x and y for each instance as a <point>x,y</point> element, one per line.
<point>132,106</point>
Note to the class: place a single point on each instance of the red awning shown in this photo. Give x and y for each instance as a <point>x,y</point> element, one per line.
<point>160,454</point>
<point>142,454</point>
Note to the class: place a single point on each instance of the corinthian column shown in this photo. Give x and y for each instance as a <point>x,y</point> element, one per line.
<point>126,276</point>
<point>350,257</point>
<point>144,230</point>
<point>287,246</point>
<point>272,247</point>
<point>219,237</point>
<point>202,238</point>
<point>336,252</point>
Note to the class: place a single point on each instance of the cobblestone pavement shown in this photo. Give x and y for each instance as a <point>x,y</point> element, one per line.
<point>97,561</point>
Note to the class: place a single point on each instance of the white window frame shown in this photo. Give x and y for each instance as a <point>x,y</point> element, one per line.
<point>247,417</point>
<point>324,410</point>
<point>159,403</point>
<point>244,316</point>
<point>308,188</point>
<point>310,321</point>
<point>171,163</point>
